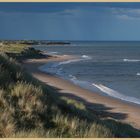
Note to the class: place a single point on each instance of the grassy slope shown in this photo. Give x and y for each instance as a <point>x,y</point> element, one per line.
<point>12,48</point>
<point>28,108</point>
<point>19,51</point>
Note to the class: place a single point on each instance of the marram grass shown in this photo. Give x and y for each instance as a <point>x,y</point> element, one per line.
<point>28,108</point>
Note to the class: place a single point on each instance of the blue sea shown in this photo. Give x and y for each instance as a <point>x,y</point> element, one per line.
<point>108,68</point>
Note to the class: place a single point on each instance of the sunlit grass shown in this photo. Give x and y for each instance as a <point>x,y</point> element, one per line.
<point>12,48</point>
<point>29,108</point>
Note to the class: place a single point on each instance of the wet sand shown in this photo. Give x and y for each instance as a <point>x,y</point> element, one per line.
<point>104,106</point>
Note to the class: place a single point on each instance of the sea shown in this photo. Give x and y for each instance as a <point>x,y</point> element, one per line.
<point>110,68</point>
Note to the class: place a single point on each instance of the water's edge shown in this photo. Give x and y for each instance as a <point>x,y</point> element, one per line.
<point>52,67</point>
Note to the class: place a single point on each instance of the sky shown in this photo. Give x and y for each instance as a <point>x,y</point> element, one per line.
<point>70,21</point>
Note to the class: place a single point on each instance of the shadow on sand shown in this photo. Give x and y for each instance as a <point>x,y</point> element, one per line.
<point>101,114</point>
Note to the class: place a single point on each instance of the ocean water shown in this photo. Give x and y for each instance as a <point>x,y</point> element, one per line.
<point>108,68</point>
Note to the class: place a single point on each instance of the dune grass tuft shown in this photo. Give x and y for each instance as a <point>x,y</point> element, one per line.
<point>28,108</point>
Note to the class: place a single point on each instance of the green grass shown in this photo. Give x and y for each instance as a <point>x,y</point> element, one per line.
<point>29,108</point>
<point>20,51</point>
<point>12,48</point>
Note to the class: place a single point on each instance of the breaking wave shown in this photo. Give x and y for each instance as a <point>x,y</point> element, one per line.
<point>116,94</point>
<point>131,60</point>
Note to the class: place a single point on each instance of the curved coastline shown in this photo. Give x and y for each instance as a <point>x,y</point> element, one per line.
<point>52,68</point>
<point>132,111</point>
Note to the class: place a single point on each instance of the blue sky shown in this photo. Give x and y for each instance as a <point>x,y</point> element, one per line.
<point>70,21</point>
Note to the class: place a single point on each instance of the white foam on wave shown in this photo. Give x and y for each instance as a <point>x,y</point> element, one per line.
<point>52,53</point>
<point>52,68</point>
<point>68,61</point>
<point>72,77</point>
<point>81,83</point>
<point>116,94</point>
<point>83,57</point>
<point>108,91</point>
<point>138,74</point>
<point>131,60</point>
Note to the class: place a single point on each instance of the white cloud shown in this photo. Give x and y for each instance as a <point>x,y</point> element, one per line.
<point>125,17</point>
<point>126,13</point>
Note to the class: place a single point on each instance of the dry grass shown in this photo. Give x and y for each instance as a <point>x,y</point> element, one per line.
<point>28,109</point>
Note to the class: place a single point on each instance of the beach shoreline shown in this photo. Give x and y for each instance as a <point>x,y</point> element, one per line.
<point>116,108</point>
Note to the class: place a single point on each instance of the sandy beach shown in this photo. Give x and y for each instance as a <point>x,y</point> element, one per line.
<point>104,106</point>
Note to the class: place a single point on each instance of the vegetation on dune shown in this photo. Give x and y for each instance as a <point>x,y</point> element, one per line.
<point>28,108</point>
<point>19,50</point>
<point>12,47</point>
